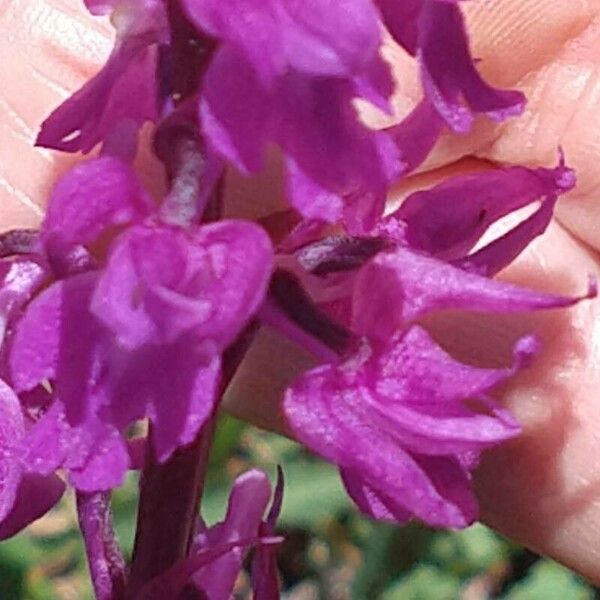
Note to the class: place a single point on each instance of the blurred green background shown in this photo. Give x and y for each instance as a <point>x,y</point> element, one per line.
<point>330,552</point>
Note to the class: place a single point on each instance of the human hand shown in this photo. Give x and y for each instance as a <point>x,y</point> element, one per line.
<point>540,489</point>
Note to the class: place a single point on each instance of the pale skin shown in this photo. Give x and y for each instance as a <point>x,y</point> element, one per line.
<point>543,489</point>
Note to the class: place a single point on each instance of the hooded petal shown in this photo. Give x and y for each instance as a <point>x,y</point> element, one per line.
<point>161,283</point>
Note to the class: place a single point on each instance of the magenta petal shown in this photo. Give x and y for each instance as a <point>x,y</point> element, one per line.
<point>498,254</point>
<point>448,219</point>
<point>11,431</point>
<point>125,90</point>
<point>399,286</point>
<point>416,134</point>
<point>324,38</point>
<point>247,503</point>
<point>371,503</point>
<point>316,37</point>
<point>93,453</point>
<point>44,448</point>
<point>329,426</point>
<point>235,111</point>
<point>174,385</point>
<point>401,18</point>
<point>448,71</point>
<point>101,7</point>
<point>249,27</point>
<point>19,280</point>
<point>363,415</point>
<point>334,162</point>
<point>106,463</point>
<point>92,197</point>
<point>58,339</point>
<point>35,496</point>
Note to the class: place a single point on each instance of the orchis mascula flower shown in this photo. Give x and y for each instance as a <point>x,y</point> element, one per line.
<point>393,415</point>
<point>114,342</point>
<point>125,308</point>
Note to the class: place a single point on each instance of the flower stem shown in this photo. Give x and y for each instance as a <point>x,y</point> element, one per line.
<point>106,564</point>
<point>170,493</point>
<point>169,498</point>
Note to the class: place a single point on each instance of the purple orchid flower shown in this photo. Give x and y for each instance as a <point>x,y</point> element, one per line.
<point>399,394</point>
<point>141,337</point>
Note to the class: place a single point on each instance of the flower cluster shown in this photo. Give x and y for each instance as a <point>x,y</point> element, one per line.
<point>123,309</point>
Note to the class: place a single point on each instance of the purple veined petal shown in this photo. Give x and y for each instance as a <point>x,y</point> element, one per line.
<point>447,220</point>
<point>415,393</point>
<point>126,88</point>
<point>35,496</point>
<point>247,503</point>
<point>413,368</point>
<point>58,339</point>
<point>235,111</point>
<point>399,286</point>
<point>163,282</point>
<point>92,197</point>
<point>323,415</point>
<point>12,428</point>
<point>174,385</point>
<point>416,135</point>
<point>371,503</point>
<point>448,72</point>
